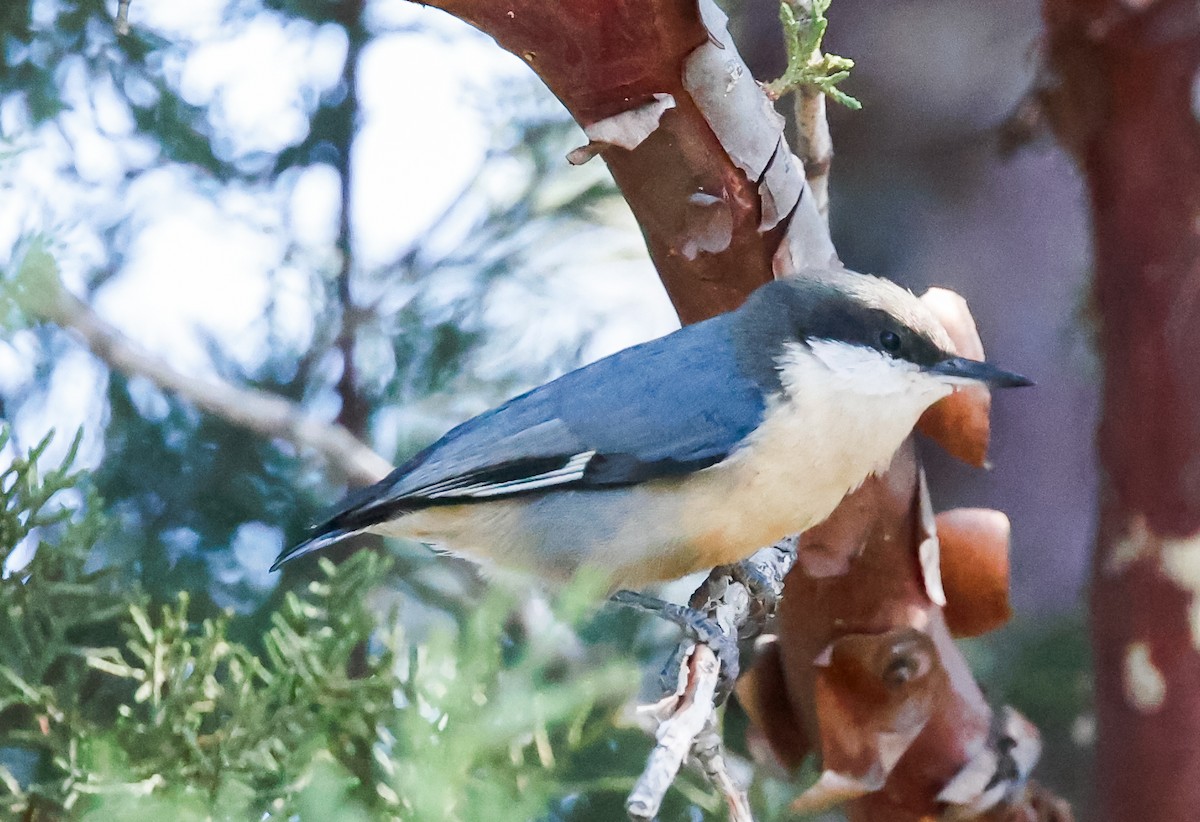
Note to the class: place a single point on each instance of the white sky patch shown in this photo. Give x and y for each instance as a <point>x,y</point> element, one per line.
<point>72,400</point>
<point>536,314</point>
<point>195,19</point>
<point>255,546</point>
<point>18,352</point>
<point>419,137</point>
<point>21,555</point>
<point>194,272</point>
<point>255,80</point>
<point>314,205</point>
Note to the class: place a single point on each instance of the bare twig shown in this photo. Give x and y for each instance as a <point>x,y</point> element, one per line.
<point>249,408</point>
<point>689,715</point>
<point>121,24</point>
<point>710,753</point>
<point>814,146</point>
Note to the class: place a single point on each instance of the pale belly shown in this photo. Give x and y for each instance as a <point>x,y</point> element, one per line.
<point>657,531</point>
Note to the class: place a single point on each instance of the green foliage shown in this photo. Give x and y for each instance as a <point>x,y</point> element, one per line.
<point>29,293</point>
<point>111,708</point>
<point>807,64</point>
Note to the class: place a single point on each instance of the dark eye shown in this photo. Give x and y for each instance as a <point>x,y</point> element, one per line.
<point>890,341</point>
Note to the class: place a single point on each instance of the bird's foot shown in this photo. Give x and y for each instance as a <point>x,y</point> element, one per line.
<point>762,587</point>
<point>698,626</point>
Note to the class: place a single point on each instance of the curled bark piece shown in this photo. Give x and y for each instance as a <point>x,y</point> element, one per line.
<point>929,548</point>
<point>959,423</point>
<point>730,99</point>
<point>626,130</point>
<point>833,788</point>
<point>873,697</point>
<point>974,569</point>
<point>781,187</point>
<point>996,772</point>
<point>709,226</point>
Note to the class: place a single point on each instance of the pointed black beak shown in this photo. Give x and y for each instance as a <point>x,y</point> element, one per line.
<point>979,371</point>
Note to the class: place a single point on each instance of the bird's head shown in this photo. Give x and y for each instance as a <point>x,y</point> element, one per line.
<point>860,334</point>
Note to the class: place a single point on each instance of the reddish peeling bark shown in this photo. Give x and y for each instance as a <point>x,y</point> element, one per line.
<point>602,58</point>
<point>919,698</point>
<point>865,671</point>
<point>1124,102</point>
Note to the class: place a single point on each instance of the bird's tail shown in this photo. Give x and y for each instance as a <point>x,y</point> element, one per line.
<point>356,513</point>
<point>314,543</point>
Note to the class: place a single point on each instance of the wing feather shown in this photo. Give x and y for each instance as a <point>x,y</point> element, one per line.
<point>664,408</point>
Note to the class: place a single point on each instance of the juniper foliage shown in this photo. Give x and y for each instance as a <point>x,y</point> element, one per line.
<point>113,708</point>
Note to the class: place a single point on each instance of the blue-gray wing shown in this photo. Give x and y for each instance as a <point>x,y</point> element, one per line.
<point>667,407</point>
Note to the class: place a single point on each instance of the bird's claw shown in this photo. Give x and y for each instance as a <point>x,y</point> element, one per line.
<point>762,588</point>
<point>698,626</point>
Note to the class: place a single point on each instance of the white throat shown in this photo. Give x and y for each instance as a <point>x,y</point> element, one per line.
<point>862,397</point>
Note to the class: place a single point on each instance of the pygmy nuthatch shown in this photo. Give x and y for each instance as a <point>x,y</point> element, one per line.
<point>685,452</point>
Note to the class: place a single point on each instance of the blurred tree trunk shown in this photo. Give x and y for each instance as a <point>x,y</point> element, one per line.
<point>1123,98</point>
<point>354,411</point>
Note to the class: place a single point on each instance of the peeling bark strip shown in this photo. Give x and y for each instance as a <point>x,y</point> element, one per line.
<point>1123,100</point>
<point>864,669</point>
<point>604,58</point>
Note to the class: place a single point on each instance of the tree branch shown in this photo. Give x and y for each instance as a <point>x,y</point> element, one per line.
<point>686,727</point>
<point>698,152</point>
<point>682,716</point>
<point>721,200</point>
<point>121,22</point>
<point>814,145</point>
<point>250,408</point>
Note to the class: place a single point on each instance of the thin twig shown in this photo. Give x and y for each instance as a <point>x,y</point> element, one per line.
<point>814,146</point>
<point>692,711</point>
<point>248,408</point>
<point>121,24</point>
<point>710,753</point>
<point>689,715</point>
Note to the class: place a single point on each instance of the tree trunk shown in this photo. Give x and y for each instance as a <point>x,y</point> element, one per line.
<point>1125,103</point>
<point>699,154</point>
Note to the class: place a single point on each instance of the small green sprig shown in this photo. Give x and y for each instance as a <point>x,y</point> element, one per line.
<point>807,65</point>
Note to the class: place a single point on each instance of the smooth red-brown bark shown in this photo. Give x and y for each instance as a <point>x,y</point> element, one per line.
<point>1123,99</point>
<point>604,57</point>
<point>715,190</point>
